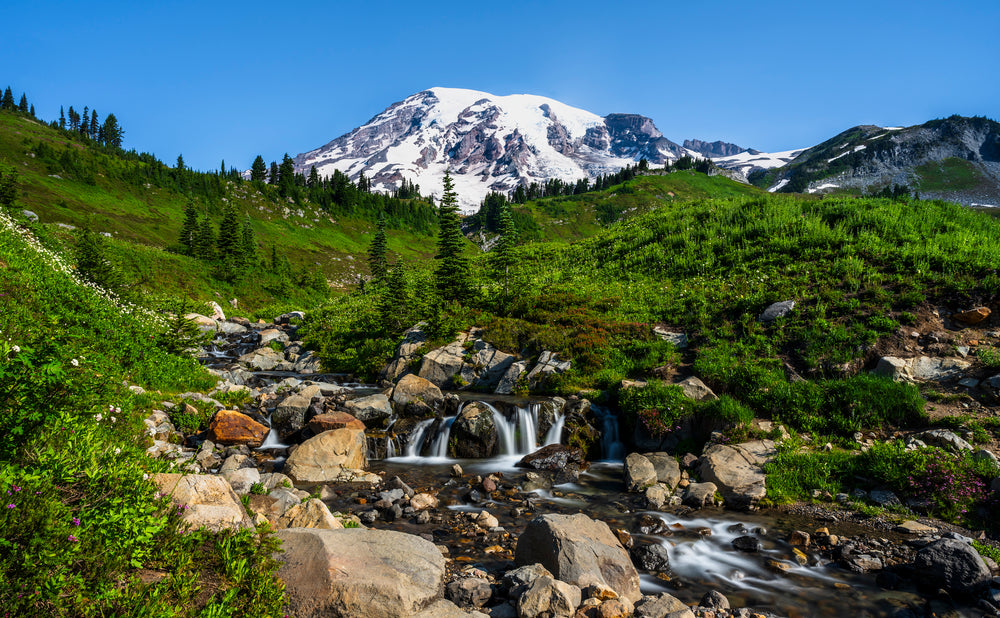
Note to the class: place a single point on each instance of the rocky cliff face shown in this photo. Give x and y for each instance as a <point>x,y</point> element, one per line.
<point>490,143</point>
<point>716,149</point>
<point>954,158</point>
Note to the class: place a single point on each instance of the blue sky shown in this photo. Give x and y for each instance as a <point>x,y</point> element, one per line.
<point>220,80</point>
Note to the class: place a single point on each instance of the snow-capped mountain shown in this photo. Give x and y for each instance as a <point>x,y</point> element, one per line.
<point>489,142</point>
<point>751,160</point>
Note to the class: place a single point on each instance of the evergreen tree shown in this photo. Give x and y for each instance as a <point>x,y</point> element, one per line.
<point>62,118</point>
<point>111,132</point>
<point>95,127</point>
<point>205,240</point>
<point>273,175</point>
<point>8,187</point>
<point>377,250</point>
<point>452,272</point>
<point>248,242</point>
<point>85,121</point>
<point>394,302</point>
<point>92,262</point>
<point>189,231</point>
<point>503,254</point>
<point>74,119</point>
<point>313,177</point>
<point>180,163</point>
<point>32,111</point>
<point>22,106</point>
<point>230,242</point>
<point>8,101</point>
<point>286,176</point>
<point>258,171</point>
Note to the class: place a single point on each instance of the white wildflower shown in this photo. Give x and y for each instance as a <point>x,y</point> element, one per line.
<point>118,451</point>
<point>16,349</point>
<point>74,362</point>
<point>99,417</point>
<point>114,420</point>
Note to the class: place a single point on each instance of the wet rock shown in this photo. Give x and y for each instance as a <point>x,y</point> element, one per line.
<point>290,415</point>
<point>661,606</point>
<point>469,592</point>
<point>415,396</point>
<point>372,410</point>
<point>736,471</point>
<point>651,557</point>
<point>548,411</point>
<point>456,470</point>
<point>474,432</point>
<point>486,521</point>
<point>323,458</point>
<point>578,550</point>
<point>650,524</point>
<point>485,366</point>
<point>951,564</point>
<point>777,310</point>
<point>534,481</point>
<point>656,497</point>
<point>747,543</point>
<point>799,538</point>
<point>639,472</point>
<point>206,501</point>
<point>555,457</point>
<point>715,600</point>
<point>232,427</point>
<point>698,495</point>
<point>355,572</point>
<point>546,597</point>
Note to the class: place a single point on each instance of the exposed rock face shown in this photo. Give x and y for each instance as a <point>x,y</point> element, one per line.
<point>490,143</point>
<point>475,432</point>
<point>209,500</point>
<point>416,396</point>
<point>951,564</point>
<point>354,572</point>
<point>548,364</point>
<point>508,381</point>
<point>371,410</point>
<point>668,471</point>
<point>639,472</point>
<point>695,389</point>
<point>698,495</point>
<point>736,471</point>
<point>230,427</point>
<point>334,420</point>
<point>321,459</point>
<point>486,366</point>
<point>922,368</point>
<point>438,366</point>
<point>413,340</point>
<point>312,513</point>
<point>580,551</point>
<point>713,149</point>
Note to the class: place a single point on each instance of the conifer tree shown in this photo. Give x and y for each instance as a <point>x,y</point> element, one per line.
<point>8,101</point>
<point>205,240</point>
<point>313,177</point>
<point>8,187</point>
<point>62,118</point>
<point>452,272</point>
<point>394,303</point>
<point>94,125</point>
<point>85,121</point>
<point>92,261</point>
<point>258,170</point>
<point>180,162</point>
<point>503,254</point>
<point>111,132</point>
<point>286,176</point>
<point>22,106</point>
<point>377,250</point>
<point>31,111</point>
<point>248,242</point>
<point>230,242</point>
<point>273,175</point>
<point>189,230</point>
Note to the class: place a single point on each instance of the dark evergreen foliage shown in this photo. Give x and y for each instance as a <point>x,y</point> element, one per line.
<point>258,171</point>
<point>377,260</point>
<point>452,272</point>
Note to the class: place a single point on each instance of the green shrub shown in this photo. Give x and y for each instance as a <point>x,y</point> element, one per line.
<point>658,406</point>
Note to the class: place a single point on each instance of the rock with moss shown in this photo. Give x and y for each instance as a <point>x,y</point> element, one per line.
<point>474,433</point>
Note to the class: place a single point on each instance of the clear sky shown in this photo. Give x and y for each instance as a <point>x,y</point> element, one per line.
<point>227,81</point>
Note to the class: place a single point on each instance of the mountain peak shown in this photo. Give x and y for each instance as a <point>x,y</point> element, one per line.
<point>489,142</point>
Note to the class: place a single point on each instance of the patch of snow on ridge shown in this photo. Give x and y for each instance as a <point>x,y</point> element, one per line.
<point>778,186</point>
<point>823,187</point>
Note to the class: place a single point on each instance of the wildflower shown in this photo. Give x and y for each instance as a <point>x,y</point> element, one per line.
<point>145,477</point>
<point>16,349</point>
<point>99,417</point>
<point>76,521</point>
<point>118,451</point>
<point>10,506</point>
<point>73,539</point>
<point>74,362</point>
<point>113,419</point>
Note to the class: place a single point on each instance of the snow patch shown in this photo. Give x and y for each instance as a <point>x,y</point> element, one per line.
<point>823,187</point>
<point>778,186</point>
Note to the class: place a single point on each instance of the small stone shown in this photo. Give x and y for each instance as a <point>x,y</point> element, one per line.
<point>456,470</point>
<point>972,316</point>
<point>799,539</point>
<point>914,527</point>
<point>715,600</point>
<point>747,544</point>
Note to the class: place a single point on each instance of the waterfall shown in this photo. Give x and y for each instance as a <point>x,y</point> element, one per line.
<point>612,447</point>
<point>416,439</point>
<point>390,446</point>
<point>505,431</point>
<point>554,434</point>
<point>272,441</point>
<point>439,447</point>
<point>527,422</point>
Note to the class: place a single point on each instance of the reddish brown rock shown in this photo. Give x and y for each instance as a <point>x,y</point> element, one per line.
<point>334,420</point>
<point>972,316</point>
<point>231,427</point>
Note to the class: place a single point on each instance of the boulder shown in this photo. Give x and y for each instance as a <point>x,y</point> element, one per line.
<point>207,501</point>
<point>485,366</point>
<point>290,415</point>
<point>923,368</point>
<point>355,572</point>
<point>515,580</point>
<point>204,323</point>
<point>777,310</point>
<point>441,365</point>
<point>546,597</point>
<point>548,365</point>
<point>662,606</point>
<point>656,497</point>
<point>680,340</point>
<point>323,458</point>
<point>942,438</point>
<point>416,396</point>
<point>413,339</point>
<point>508,382</point>
<point>639,472</point>
<point>972,316</point>
<point>951,564</point>
<point>242,480</point>
<point>263,359</point>
<point>442,608</point>
<point>668,471</point>
<point>698,495</point>
<point>736,471</point>
<point>651,557</point>
<point>334,420</point>
<point>554,457</point>
<point>474,432</point>
<point>578,550</point>
<point>230,427</point>
<point>309,514</point>
<point>695,389</point>
<point>272,334</point>
<point>371,410</point>
<point>308,363</point>
<point>469,592</point>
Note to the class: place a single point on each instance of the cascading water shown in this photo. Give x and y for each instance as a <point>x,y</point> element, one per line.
<point>439,447</point>
<point>416,440</point>
<point>272,441</point>
<point>527,422</point>
<point>612,448</point>
<point>554,434</point>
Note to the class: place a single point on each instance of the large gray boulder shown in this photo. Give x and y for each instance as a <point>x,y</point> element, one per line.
<point>578,550</point>
<point>486,366</point>
<point>639,472</point>
<point>355,572</point>
<point>323,458</point>
<point>695,389</point>
<point>207,501</point>
<point>668,471</point>
<point>951,564</point>
<point>509,380</point>
<point>777,310</point>
<point>923,368</point>
<point>263,359</point>
<point>662,606</point>
<point>474,432</point>
<point>370,410</point>
<point>548,365</point>
<point>440,365</point>
<point>416,396</point>
<point>413,339</point>
<point>736,471</point>
<point>546,597</point>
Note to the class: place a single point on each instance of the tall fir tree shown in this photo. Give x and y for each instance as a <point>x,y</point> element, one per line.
<point>230,240</point>
<point>205,240</point>
<point>111,132</point>
<point>286,176</point>
<point>62,118</point>
<point>189,230</point>
<point>8,101</point>
<point>22,106</point>
<point>394,302</point>
<point>377,261</point>
<point>95,126</point>
<point>248,242</point>
<point>92,261</point>
<point>313,177</point>
<point>452,272</point>
<point>258,170</point>
<point>503,254</point>
<point>272,178</point>
<point>85,121</point>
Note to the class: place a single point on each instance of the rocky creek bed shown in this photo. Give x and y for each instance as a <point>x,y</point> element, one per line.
<point>430,534</point>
